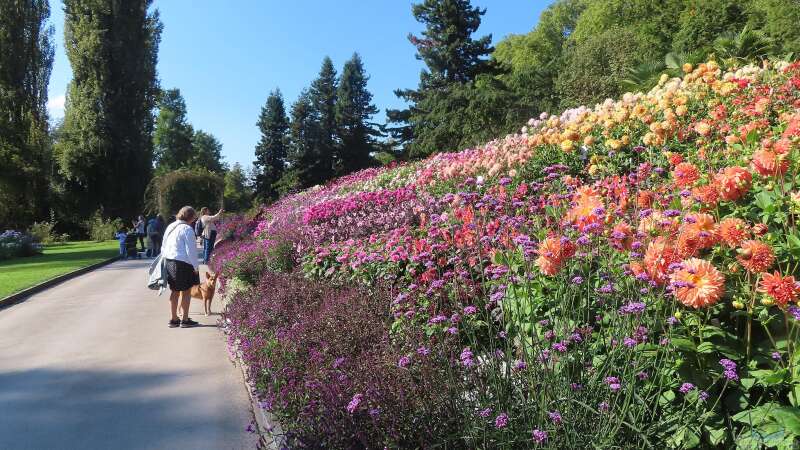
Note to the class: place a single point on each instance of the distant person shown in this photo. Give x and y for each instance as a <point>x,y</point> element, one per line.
<point>121,235</point>
<point>139,228</point>
<point>209,227</point>
<point>155,231</point>
<point>180,253</point>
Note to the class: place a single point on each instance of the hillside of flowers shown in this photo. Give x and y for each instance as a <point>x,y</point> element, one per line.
<point>622,276</point>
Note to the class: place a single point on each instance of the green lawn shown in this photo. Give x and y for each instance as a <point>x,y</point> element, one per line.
<point>20,273</point>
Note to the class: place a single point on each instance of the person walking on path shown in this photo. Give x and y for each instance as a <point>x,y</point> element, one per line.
<point>180,253</point>
<point>209,231</point>
<point>155,231</point>
<point>138,228</point>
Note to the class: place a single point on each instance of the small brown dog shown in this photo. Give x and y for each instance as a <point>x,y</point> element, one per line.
<point>205,291</point>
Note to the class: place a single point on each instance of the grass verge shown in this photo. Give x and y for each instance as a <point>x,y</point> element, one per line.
<point>21,273</point>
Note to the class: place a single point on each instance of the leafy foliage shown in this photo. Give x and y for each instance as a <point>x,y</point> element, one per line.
<point>167,193</point>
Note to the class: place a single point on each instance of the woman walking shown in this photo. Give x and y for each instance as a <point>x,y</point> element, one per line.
<point>138,228</point>
<point>209,231</point>
<point>179,248</point>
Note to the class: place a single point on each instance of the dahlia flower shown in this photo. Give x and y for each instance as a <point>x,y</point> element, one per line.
<point>685,174</point>
<point>698,283</point>
<point>783,289</point>
<point>755,256</point>
<point>657,259</point>
<point>733,231</point>
<point>733,182</point>
<point>768,163</point>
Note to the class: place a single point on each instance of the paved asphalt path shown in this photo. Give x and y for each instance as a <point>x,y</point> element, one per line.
<point>91,364</point>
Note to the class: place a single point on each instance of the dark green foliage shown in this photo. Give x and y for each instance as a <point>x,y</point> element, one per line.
<point>26,58</point>
<point>447,91</point>
<point>206,152</point>
<point>302,157</point>
<point>272,149</point>
<point>167,193</point>
<point>238,195</point>
<point>354,109</point>
<point>105,149</point>
<point>322,100</point>
<point>173,134</point>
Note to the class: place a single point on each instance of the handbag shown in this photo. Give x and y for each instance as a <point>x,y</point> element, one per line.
<point>157,274</point>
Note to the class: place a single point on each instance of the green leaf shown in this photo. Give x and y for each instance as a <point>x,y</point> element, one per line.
<point>716,436</point>
<point>706,347</point>
<point>770,377</point>
<point>666,398</point>
<point>787,417</point>
<point>684,344</point>
<point>753,417</point>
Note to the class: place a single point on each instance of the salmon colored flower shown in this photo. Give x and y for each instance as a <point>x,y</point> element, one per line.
<point>782,289</point>
<point>622,236</point>
<point>733,182</point>
<point>768,163</point>
<point>705,227</point>
<point>587,204</point>
<point>755,256</point>
<point>688,243</point>
<point>685,174</point>
<point>707,194</point>
<point>644,199</point>
<point>552,253</point>
<point>733,231</point>
<point>657,259</point>
<point>698,283</point>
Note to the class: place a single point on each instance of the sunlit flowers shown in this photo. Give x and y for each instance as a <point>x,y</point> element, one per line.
<point>553,251</point>
<point>782,289</point>
<point>733,231</point>
<point>768,163</point>
<point>685,174</point>
<point>697,283</point>
<point>733,182</point>
<point>755,256</point>
<point>657,259</point>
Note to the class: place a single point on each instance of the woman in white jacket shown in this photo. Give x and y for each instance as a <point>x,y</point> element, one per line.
<point>179,249</point>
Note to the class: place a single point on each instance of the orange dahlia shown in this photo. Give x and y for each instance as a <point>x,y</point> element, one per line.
<point>782,289</point>
<point>733,231</point>
<point>733,182</point>
<point>706,228</point>
<point>659,255</point>
<point>755,256</point>
<point>768,163</point>
<point>552,253</point>
<point>685,174</point>
<point>706,194</point>
<point>622,236</point>
<point>688,243</point>
<point>587,202</point>
<point>698,283</point>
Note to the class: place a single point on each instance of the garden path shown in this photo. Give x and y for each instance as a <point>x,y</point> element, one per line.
<point>91,364</point>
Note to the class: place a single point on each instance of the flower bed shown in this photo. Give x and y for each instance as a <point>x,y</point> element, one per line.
<point>620,276</point>
<point>14,244</point>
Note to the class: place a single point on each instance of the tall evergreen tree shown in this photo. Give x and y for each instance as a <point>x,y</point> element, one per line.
<point>453,60</point>
<point>106,151</point>
<point>322,98</point>
<point>173,134</point>
<point>354,110</point>
<point>206,153</point>
<point>26,58</point>
<point>238,193</point>
<point>272,148</point>
<point>302,155</point>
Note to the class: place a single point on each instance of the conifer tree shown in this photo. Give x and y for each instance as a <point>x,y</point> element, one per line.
<point>302,156</point>
<point>272,148</point>
<point>26,58</point>
<point>173,134</point>
<point>453,60</point>
<point>206,153</point>
<point>354,109</point>
<point>106,149</point>
<point>319,166</point>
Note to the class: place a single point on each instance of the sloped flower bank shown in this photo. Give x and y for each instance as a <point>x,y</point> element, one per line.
<point>622,276</point>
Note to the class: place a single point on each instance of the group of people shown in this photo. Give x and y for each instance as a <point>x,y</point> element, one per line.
<point>179,249</point>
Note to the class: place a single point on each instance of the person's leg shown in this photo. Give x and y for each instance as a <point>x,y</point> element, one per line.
<point>185,299</point>
<point>123,250</point>
<point>211,241</point>
<point>173,304</point>
<point>206,251</point>
<point>141,241</point>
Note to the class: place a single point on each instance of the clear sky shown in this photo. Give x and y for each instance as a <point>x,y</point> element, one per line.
<point>227,55</point>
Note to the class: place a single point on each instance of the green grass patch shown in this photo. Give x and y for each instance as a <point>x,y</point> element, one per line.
<point>20,273</point>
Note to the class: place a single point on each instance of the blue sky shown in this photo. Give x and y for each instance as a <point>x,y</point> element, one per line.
<point>226,56</point>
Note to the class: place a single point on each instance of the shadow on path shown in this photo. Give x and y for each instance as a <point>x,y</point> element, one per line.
<point>74,409</point>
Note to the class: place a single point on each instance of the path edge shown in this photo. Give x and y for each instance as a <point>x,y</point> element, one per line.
<point>269,431</point>
<point>24,294</point>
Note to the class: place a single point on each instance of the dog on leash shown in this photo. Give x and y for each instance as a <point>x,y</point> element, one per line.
<point>205,291</point>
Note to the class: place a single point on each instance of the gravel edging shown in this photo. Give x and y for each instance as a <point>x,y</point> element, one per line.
<point>24,294</point>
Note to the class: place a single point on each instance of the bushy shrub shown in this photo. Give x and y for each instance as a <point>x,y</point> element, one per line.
<point>324,364</point>
<point>15,244</point>
<point>44,232</point>
<point>169,192</point>
<point>102,229</point>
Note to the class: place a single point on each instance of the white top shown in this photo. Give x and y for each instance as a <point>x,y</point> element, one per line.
<point>180,244</point>
<point>209,225</point>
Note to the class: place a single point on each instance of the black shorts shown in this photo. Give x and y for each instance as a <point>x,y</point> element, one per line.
<point>181,275</point>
